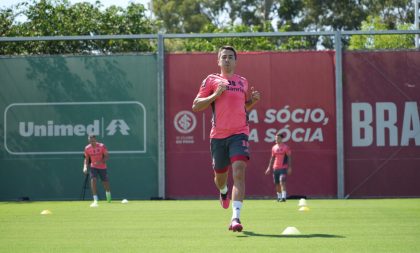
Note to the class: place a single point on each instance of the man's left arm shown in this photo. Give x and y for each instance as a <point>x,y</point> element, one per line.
<point>105,156</point>
<point>253,99</point>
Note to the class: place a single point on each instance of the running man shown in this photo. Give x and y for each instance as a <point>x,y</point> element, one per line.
<point>281,163</point>
<point>230,99</point>
<point>96,155</point>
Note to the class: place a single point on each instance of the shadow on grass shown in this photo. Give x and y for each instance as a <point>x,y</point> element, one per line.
<point>250,233</point>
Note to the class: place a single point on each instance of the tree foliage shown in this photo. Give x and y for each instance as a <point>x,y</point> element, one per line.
<point>365,42</point>
<point>298,15</point>
<point>181,16</point>
<point>213,44</point>
<point>281,15</point>
<point>188,16</point>
<point>60,18</point>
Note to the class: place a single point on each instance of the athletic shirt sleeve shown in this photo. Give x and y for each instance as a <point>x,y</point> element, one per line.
<point>207,87</point>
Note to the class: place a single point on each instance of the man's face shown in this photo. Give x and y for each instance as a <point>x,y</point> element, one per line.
<point>278,139</point>
<point>92,140</point>
<point>227,60</point>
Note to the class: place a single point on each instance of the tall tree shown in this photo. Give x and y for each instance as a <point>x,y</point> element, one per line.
<point>328,15</point>
<point>375,23</point>
<point>181,16</point>
<point>390,12</point>
<point>319,15</point>
<point>193,15</point>
<point>60,18</point>
<point>322,15</point>
<point>250,12</point>
<point>289,14</point>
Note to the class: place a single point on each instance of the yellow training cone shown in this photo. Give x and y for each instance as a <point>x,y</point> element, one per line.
<point>291,231</point>
<point>304,208</point>
<point>302,202</point>
<point>46,212</point>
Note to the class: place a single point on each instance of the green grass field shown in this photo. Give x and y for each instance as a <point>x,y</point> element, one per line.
<point>384,225</point>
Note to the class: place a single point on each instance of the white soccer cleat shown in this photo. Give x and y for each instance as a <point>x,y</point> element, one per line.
<point>94,204</point>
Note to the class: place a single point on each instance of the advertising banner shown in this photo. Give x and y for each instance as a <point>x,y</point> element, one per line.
<point>49,106</point>
<point>381,123</point>
<point>122,124</point>
<point>297,99</point>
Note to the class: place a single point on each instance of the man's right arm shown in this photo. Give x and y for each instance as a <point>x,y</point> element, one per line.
<point>270,165</point>
<point>201,103</point>
<point>85,164</point>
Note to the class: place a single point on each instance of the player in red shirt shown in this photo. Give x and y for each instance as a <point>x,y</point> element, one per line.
<point>230,99</point>
<point>96,155</point>
<point>281,163</point>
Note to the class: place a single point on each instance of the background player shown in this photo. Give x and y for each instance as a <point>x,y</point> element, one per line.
<point>281,163</point>
<point>96,153</point>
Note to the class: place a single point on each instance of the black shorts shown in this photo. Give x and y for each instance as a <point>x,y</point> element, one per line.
<point>279,175</point>
<point>227,150</point>
<point>102,173</point>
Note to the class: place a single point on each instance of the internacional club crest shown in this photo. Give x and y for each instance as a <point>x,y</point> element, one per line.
<point>185,122</point>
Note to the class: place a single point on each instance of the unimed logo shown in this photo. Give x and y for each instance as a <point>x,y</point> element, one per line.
<point>62,128</point>
<point>29,129</point>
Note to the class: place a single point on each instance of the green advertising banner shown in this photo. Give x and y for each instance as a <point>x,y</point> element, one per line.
<point>34,126</point>
<point>50,105</point>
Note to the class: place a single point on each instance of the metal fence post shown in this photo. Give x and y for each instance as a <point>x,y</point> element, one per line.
<point>161,115</point>
<point>416,20</point>
<point>339,113</point>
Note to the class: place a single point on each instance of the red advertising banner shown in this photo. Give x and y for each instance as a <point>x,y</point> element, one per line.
<point>297,90</point>
<point>381,124</point>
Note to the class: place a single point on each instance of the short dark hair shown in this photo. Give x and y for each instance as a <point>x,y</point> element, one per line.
<point>226,48</point>
<point>281,135</point>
